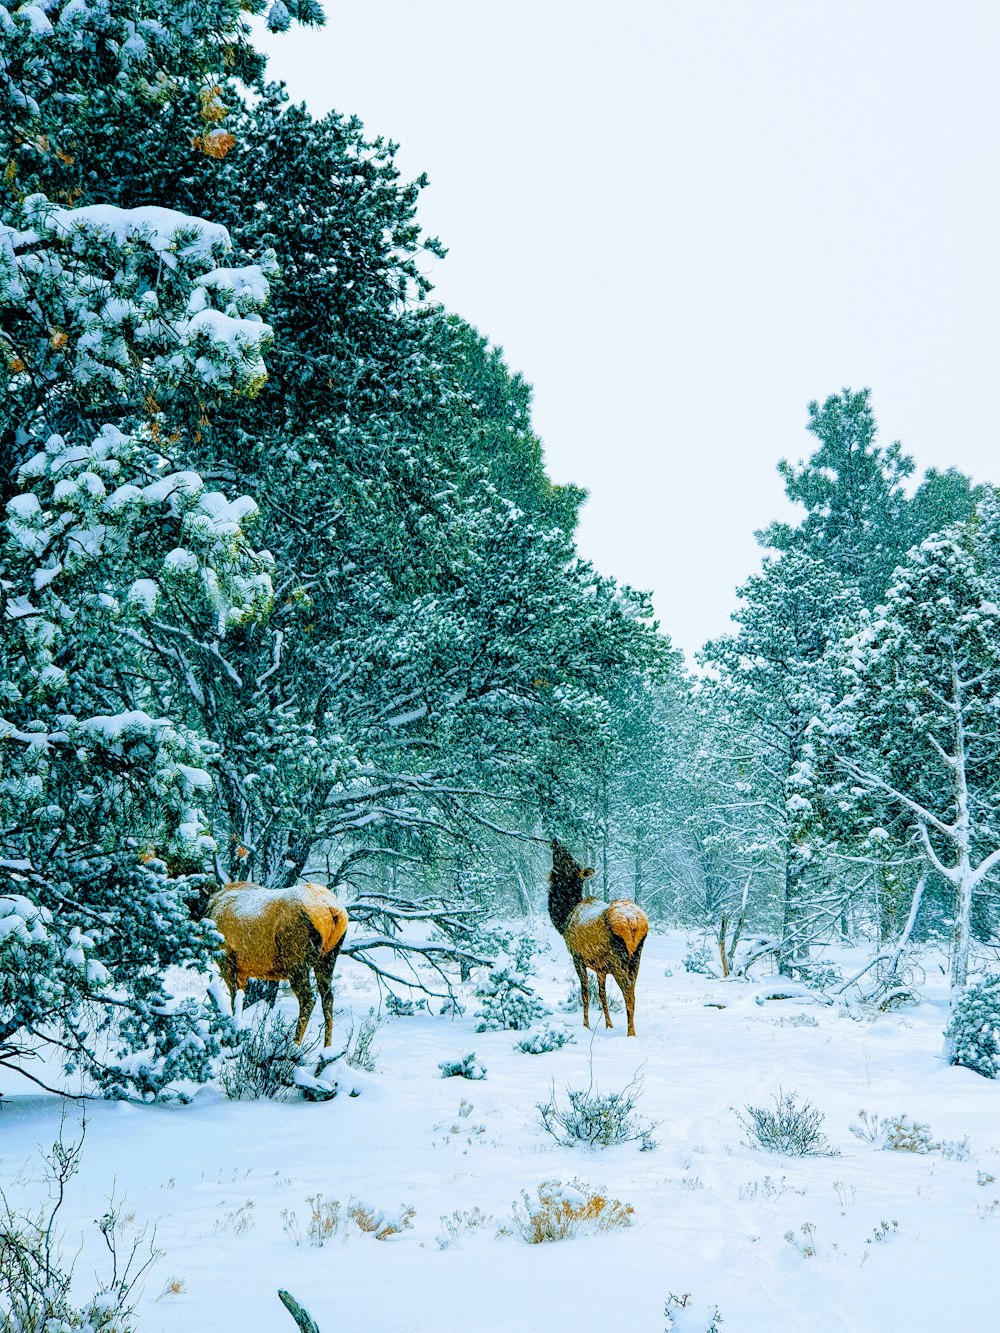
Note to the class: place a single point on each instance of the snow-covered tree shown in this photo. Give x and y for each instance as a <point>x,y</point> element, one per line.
<point>774,677</point>
<point>114,562</point>
<point>916,730</point>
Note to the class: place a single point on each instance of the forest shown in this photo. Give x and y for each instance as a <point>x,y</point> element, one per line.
<point>288,595</point>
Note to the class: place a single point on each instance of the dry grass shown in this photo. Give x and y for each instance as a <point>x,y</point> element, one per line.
<point>329,1218</point>
<point>562,1211</point>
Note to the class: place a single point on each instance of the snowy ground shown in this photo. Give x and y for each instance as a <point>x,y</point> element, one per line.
<point>711,1213</point>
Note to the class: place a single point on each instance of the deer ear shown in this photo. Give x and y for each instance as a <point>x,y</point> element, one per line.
<point>588,873</point>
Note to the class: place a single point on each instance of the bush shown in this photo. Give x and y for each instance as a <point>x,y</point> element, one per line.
<point>598,1120</point>
<point>508,1002</point>
<point>360,1044</point>
<point>35,1279</point>
<point>573,1003</point>
<point>467,1067</point>
<point>790,1128</point>
<point>328,1218</point>
<point>563,1211</point>
<point>265,1060</point>
<point>896,1133</point>
<point>459,1224</point>
<point>972,1038</point>
<point>683,1317</point>
<point>699,958</point>
<point>543,1039</point>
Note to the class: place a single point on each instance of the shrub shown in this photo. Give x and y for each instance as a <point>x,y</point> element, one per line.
<point>790,1128</point>
<point>699,959</point>
<point>898,1133</point>
<point>461,1223</point>
<point>546,1038</point>
<point>467,1067</point>
<point>972,1037</point>
<point>683,1317</point>
<point>360,1045</point>
<point>596,1119</point>
<point>329,1218</point>
<point>35,1279</point>
<point>563,1211</point>
<point>397,1007</point>
<point>508,1002</point>
<point>265,1060</point>
<point>574,1004</point>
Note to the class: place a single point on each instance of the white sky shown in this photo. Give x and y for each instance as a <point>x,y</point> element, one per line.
<point>684,220</point>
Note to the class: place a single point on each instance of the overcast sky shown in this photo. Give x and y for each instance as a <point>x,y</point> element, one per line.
<point>684,220</point>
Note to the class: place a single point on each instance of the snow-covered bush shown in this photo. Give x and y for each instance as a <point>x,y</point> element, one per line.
<point>464,1221</point>
<point>596,1120</point>
<point>329,1218</point>
<point>562,1211</point>
<point>508,1002</point>
<point>542,1039</point>
<point>792,1128</point>
<point>699,959</point>
<point>467,1067</point>
<point>972,1037</point>
<point>573,1003</point>
<point>681,1315</point>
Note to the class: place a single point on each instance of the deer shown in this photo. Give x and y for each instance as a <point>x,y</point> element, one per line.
<point>605,937</point>
<point>281,935</point>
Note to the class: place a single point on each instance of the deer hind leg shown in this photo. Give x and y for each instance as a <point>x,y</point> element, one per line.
<point>323,970</point>
<point>581,972</point>
<point>303,992</point>
<point>602,990</point>
<point>627,985</point>
<point>230,970</point>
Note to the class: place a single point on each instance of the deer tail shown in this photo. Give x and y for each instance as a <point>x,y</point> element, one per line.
<point>629,922</point>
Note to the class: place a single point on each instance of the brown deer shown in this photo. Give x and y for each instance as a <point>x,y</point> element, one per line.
<point>281,935</point>
<point>606,937</point>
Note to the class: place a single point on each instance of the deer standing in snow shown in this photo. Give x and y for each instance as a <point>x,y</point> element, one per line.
<point>281,935</point>
<point>606,937</point>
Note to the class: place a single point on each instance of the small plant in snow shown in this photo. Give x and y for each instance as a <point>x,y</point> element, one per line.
<point>957,1150</point>
<point>683,1317</point>
<point>972,1037</point>
<point>542,1039</point>
<point>803,1240</point>
<point>819,976</point>
<point>360,1044</point>
<point>895,1133</point>
<point>882,1232</point>
<point>790,1128</point>
<point>238,1220</point>
<point>397,1007</point>
<point>460,1223</point>
<point>329,1218</point>
<point>563,1211</point>
<point>595,1119</point>
<point>699,959</point>
<point>985,1178</point>
<point>467,1067</point>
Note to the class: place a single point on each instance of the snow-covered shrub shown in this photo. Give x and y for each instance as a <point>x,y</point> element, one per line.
<point>361,1044</point>
<point>820,976</point>
<point>36,1278</point>
<point>397,1007</point>
<point>329,1218</point>
<point>562,1211</point>
<point>894,1133</point>
<point>467,1067</point>
<point>264,1059</point>
<point>460,1223</point>
<point>573,1003</point>
<point>972,1037</point>
<point>508,1002</point>
<point>791,1128</point>
<point>542,1039</point>
<point>699,959</point>
<point>682,1316</point>
<point>595,1119</point>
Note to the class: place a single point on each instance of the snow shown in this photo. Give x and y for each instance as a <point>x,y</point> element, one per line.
<point>160,228</point>
<point>711,1213</point>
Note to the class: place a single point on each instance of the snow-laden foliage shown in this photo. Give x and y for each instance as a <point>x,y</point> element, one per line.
<point>972,1038</point>
<point>915,730</point>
